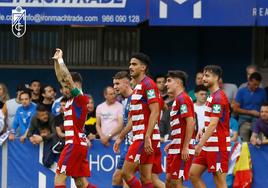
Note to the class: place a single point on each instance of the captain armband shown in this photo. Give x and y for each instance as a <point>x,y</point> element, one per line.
<point>75,92</point>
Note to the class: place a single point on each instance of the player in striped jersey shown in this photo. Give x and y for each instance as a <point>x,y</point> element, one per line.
<point>180,150</point>
<point>73,159</point>
<point>212,151</point>
<point>144,114</point>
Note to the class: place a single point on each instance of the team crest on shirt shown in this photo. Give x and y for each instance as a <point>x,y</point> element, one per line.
<point>216,108</point>
<point>183,109</point>
<point>150,94</point>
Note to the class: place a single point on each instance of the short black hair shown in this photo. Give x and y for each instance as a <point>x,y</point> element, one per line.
<point>21,87</point>
<point>159,76</point>
<point>178,74</point>
<point>200,88</point>
<point>255,76</point>
<point>265,104</point>
<point>76,76</point>
<point>26,91</point>
<point>145,59</point>
<point>32,81</point>
<point>122,74</point>
<point>43,88</point>
<point>63,99</point>
<point>215,69</point>
<point>41,108</point>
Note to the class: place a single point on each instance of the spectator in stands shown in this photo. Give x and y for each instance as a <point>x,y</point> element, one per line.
<point>10,107</point>
<point>201,93</point>
<point>4,96</point>
<point>261,126</point>
<point>248,103</point>
<point>234,128</point>
<point>35,86</point>
<point>250,69</point>
<point>109,117</point>
<point>42,129</point>
<point>48,94</point>
<point>58,124</point>
<point>56,105</point>
<point>23,116</point>
<point>90,124</point>
<point>229,89</point>
<point>160,81</point>
<point>198,81</point>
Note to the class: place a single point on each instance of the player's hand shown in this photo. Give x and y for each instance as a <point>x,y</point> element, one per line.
<point>58,54</point>
<point>198,149</point>
<point>11,137</point>
<point>105,141</point>
<point>22,139</point>
<point>185,154</point>
<point>117,144</point>
<point>166,148</point>
<point>148,145</point>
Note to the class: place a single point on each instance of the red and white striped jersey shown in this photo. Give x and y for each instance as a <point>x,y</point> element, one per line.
<point>75,114</point>
<point>217,105</point>
<point>182,108</point>
<point>144,94</point>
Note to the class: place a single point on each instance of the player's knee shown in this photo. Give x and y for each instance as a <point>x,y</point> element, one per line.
<point>193,176</point>
<point>117,177</point>
<point>60,179</point>
<point>146,178</point>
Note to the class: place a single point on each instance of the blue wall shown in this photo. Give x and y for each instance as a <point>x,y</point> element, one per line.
<point>183,48</point>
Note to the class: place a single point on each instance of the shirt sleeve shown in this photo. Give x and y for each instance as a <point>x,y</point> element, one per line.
<point>151,93</point>
<point>15,124</point>
<point>120,110</point>
<point>186,108</point>
<point>238,97</point>
<point>217,106</point>
<point>81,100</point>
<point>98,111</point>
<point>256,127</point>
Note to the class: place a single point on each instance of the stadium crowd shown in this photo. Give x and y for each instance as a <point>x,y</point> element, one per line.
<point>36,114</point>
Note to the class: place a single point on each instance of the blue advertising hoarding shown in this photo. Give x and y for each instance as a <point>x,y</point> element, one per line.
<point>25,169</point>
<point>209,12</point>
<point>76,12</point>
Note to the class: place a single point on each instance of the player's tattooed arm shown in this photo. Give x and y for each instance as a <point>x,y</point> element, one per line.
<point>62,73</point>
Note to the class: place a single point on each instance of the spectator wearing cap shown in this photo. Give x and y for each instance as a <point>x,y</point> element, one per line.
<point>261,127</point>
<point>35,86</point>
<point>10,107</point>
<point>23,116</point>
<point>247,105</point>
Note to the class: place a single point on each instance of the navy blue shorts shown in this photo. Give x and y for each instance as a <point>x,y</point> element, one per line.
<point>122,157</point>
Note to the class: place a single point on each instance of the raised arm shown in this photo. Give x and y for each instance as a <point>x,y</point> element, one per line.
<point>63,75</point>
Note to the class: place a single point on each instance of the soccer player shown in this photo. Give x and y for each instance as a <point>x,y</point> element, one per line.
<point>213,149</point>
<point>180,150</point>
<point>144,114</point>
<point>121,82</point>
<point>73,159</point>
